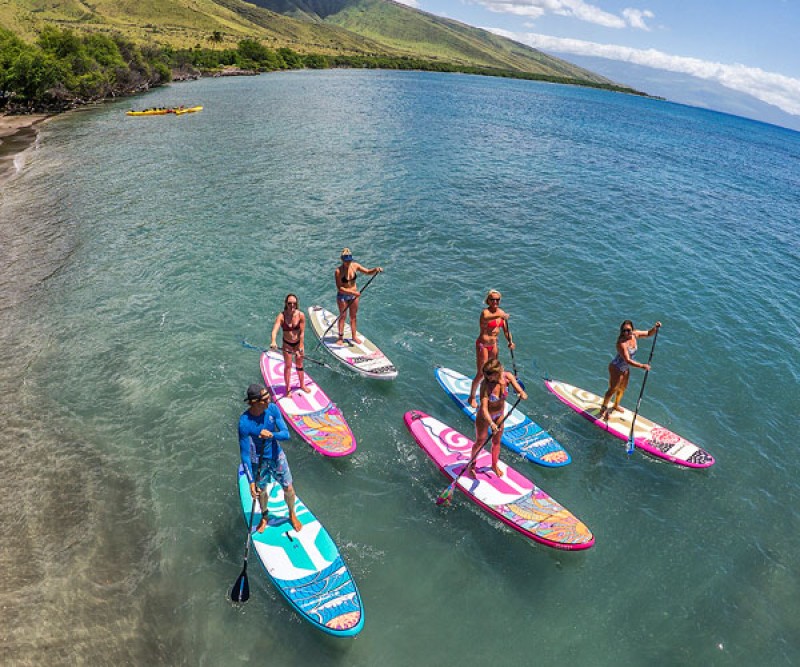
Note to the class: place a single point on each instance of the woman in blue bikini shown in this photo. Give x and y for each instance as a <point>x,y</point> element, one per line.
<point>619,370</point>
<point>494,391</point>
<point>347,293</point>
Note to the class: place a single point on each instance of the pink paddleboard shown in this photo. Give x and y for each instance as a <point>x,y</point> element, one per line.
<point>648,436</point>
<point>312,414</point>
<point>512,498</point>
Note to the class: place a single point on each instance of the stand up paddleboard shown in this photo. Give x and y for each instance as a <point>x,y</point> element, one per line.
<point>648,436</point>
<point>364,358</point>
<point>512,498</point>
<point>306,567</point>
<point>521,434</point>
<point>312,414</point>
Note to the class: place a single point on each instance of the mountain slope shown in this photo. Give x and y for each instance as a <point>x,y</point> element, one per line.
<point>416,33</point>
<point>331,27</point>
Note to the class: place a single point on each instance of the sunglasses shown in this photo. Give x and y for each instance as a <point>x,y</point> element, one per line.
<point>627,331</point>
<point>494,298</point>
<point>291,303</point>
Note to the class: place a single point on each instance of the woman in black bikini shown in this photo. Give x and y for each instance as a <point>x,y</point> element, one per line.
<point>347,293</point>
<point>493,320</point>
<point>293,323</point>
<point>494,392</point>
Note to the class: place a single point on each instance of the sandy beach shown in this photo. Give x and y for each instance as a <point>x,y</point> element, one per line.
<point>17,133</point>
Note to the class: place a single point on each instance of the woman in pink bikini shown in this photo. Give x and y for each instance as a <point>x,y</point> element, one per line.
<point>293,323</point>
<point>619,370</point>
<point>494,392</point>
<point>493,320</point>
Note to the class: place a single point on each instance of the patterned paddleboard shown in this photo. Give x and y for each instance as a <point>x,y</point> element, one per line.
<point>521,434</point>
<point>512,498</point>
<point>648,436</point>
<point>306,567</point>
<point>364,358</point>
<point>318,421</point>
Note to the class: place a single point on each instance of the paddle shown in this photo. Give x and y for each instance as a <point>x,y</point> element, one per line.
<point>344,312</point>
<point>263,349</point>
<point>241,589</point>
<point>514,361</point>
<point>446,496</point>
<point>631,443</point>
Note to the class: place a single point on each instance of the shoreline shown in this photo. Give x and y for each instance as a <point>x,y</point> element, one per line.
<point>17,134</point>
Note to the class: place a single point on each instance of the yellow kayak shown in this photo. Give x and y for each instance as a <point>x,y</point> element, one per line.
<point>180,111</point>
<point>150,112</point>
<point>163,112</point>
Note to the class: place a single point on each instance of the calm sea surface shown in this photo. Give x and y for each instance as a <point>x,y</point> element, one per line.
<point>137,253</point>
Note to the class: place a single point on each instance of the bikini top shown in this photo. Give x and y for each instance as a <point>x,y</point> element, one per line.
<point>343,276</point>
<point>495,324</point>
<point>290,327</point>
<point>502,397</point>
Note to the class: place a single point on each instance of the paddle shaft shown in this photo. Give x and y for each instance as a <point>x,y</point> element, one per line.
<point>641,393</point>
<point>241,589</point>
<point>344,312</point>
<point>474,457</point>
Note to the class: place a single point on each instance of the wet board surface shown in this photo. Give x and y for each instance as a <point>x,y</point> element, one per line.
<point>513,499</point>
<point>312,414</point>
<point>649,437</point>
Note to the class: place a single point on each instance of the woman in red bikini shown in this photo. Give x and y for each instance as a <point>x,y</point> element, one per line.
<point>494,392</point>
<point>493,319</point>
<point>293,323</point>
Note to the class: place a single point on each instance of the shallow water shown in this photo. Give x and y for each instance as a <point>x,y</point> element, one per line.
<point>137,253</point>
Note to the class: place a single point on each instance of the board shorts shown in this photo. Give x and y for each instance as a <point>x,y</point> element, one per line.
<point>277,469</point>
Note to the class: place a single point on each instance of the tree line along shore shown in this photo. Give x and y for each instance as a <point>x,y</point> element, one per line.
<point>63,70</point>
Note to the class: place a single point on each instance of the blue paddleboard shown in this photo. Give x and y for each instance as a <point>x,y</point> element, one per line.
<point>521,434</point>
<point>306,567</point>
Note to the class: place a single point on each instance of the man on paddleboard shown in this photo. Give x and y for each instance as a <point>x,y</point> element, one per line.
<point>347,293</point>
<point>261,426</point>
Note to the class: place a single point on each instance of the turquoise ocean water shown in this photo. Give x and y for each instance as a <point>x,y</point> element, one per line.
<point>138,252</point>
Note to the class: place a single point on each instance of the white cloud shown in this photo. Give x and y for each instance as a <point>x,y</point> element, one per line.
<point>636,18</point>
<point>577,9</point>
<point>409,3</point>
<point>777,89</point>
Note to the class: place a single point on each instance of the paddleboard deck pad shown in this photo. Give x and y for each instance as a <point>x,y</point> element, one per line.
<point>650,437</point>
<point>364,358</point>
<point>306,566</point>
<point>521,434</point>
<point>512,498</point>
<point>312,414</point>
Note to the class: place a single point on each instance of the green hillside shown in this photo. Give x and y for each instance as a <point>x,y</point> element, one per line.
<point>329,27</point>
<point>422,35</point>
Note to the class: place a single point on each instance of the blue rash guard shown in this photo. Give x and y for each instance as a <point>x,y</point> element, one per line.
<point>252,446</point>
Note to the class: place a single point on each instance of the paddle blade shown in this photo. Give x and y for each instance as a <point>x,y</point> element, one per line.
<point>631,446</point>
<point>446,496</point>
<point>241,589</point>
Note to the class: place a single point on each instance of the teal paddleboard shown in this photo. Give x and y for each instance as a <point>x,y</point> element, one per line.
<point>305,566</point>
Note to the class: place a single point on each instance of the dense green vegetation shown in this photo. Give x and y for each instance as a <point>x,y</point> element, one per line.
<point>63,69</point>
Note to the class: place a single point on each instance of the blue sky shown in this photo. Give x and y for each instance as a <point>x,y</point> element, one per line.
<point>744,47</point>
